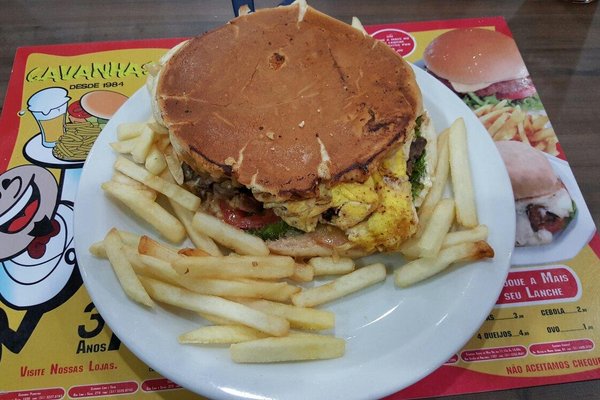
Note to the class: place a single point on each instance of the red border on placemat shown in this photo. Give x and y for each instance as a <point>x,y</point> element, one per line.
<point>453,380</point>
<point>498,22</point>
<point>9,120</point>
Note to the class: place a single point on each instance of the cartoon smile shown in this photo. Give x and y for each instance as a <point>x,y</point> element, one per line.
<point>20,214</point>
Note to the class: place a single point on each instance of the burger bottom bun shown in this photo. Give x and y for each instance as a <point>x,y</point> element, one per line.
<point>530,172</point>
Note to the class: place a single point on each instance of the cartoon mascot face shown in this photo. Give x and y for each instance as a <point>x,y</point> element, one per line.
<point>27,203</point>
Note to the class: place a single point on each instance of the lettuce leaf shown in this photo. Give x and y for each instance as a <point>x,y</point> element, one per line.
<point>526,104</point>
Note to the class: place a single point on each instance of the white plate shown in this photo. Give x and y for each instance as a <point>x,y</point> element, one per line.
<point>568,243</point>
<point>394,337</point>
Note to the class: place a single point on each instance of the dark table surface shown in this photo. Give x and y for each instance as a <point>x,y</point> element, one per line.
<point>559,41</point>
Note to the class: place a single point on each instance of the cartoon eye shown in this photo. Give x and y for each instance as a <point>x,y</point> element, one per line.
<point>5,183</point>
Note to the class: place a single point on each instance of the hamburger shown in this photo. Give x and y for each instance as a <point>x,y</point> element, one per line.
<point>299,128</point>
<point>482,66</point>
<point>543,205</point>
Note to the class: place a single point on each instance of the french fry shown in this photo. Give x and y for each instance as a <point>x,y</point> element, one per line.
<point>460,173</point>
<point>213,319</point>
<point>491,117</point>
<point>480,232</point>
<point>148,210</point>
<point>199,239</point>
<point>151,247</point>
<point>223,334</point>
<point>543,134</point>
<point>123,269</point>
<point>278,291</point>
<point>423,268</point>
<point>229,236</point>
<point>172,191</point>
<point>330,266</point>
<point>522,134</point>
<point>290,348</point>
<point>340,287</point>
<point>124,146</point>
<point>298,317</point>
<point>192,252</point>
<point>145,192</point>
<point>129,130</point>
<point>158,269</point>
<point>498,123</point>
<point>539,122</point>
<point>142,145</point>
<point>155,161</point>
<point>220,307</point>
<point>303,273</point>
<point>438,225</point>
<point>439,179</point>
<point>227,267</point>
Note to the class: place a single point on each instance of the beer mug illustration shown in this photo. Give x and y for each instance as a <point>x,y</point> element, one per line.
<point>49,108</point>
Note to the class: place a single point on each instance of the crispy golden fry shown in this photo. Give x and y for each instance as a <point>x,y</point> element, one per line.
<point>124,146</point>
<point>218,306</point>
<point>539,122</point>
<point>192,252</point>
<point>129,130</point>
<point>142,147</point>
<point>480,232</point>
<point>129,239</point>
<point>298,317</point>
<point>340,287</point>
<point>423,268</point>
<point>123,269</point>
<point>228,267</point>
<point>290,348</point>
<point>124,179</point>
<point>151,247</point>
<point>460,172</point>
<point>331,266</point>
<point>223,334</point>
<point>229,236</point>
<point>438,225</point>
<point>278,291</point>
<point>148,210</point>
<point>172,191</point>
<point>158,269</point>
<point>213,319</point>
<point>440,179</point>
<point>492,116</point>
<point>155,161</point>
<point>142,191</point>
<point>200,240</point>
<point>303,273</point>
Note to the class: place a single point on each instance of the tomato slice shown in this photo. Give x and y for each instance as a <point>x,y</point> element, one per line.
<point>244,220</point>
<point>77,111</point>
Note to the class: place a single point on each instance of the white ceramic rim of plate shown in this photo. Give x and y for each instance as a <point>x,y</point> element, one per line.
<point>422,339</point>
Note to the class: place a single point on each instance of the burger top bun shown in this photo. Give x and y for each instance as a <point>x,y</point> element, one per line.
<point>286,99</point>
<point>474,56</point>
<point>530,172</point>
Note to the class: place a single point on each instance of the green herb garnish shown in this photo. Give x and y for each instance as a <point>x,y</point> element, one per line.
<point>274,231</point>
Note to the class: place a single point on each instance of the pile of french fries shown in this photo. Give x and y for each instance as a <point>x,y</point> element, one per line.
<point>505,122</point>
<point>448,230</point>
<point>259,303</point>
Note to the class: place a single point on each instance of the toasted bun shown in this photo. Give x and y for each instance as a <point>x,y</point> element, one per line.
<point>530,172</point>
<point>474,56</point>
<point>282,101</point>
